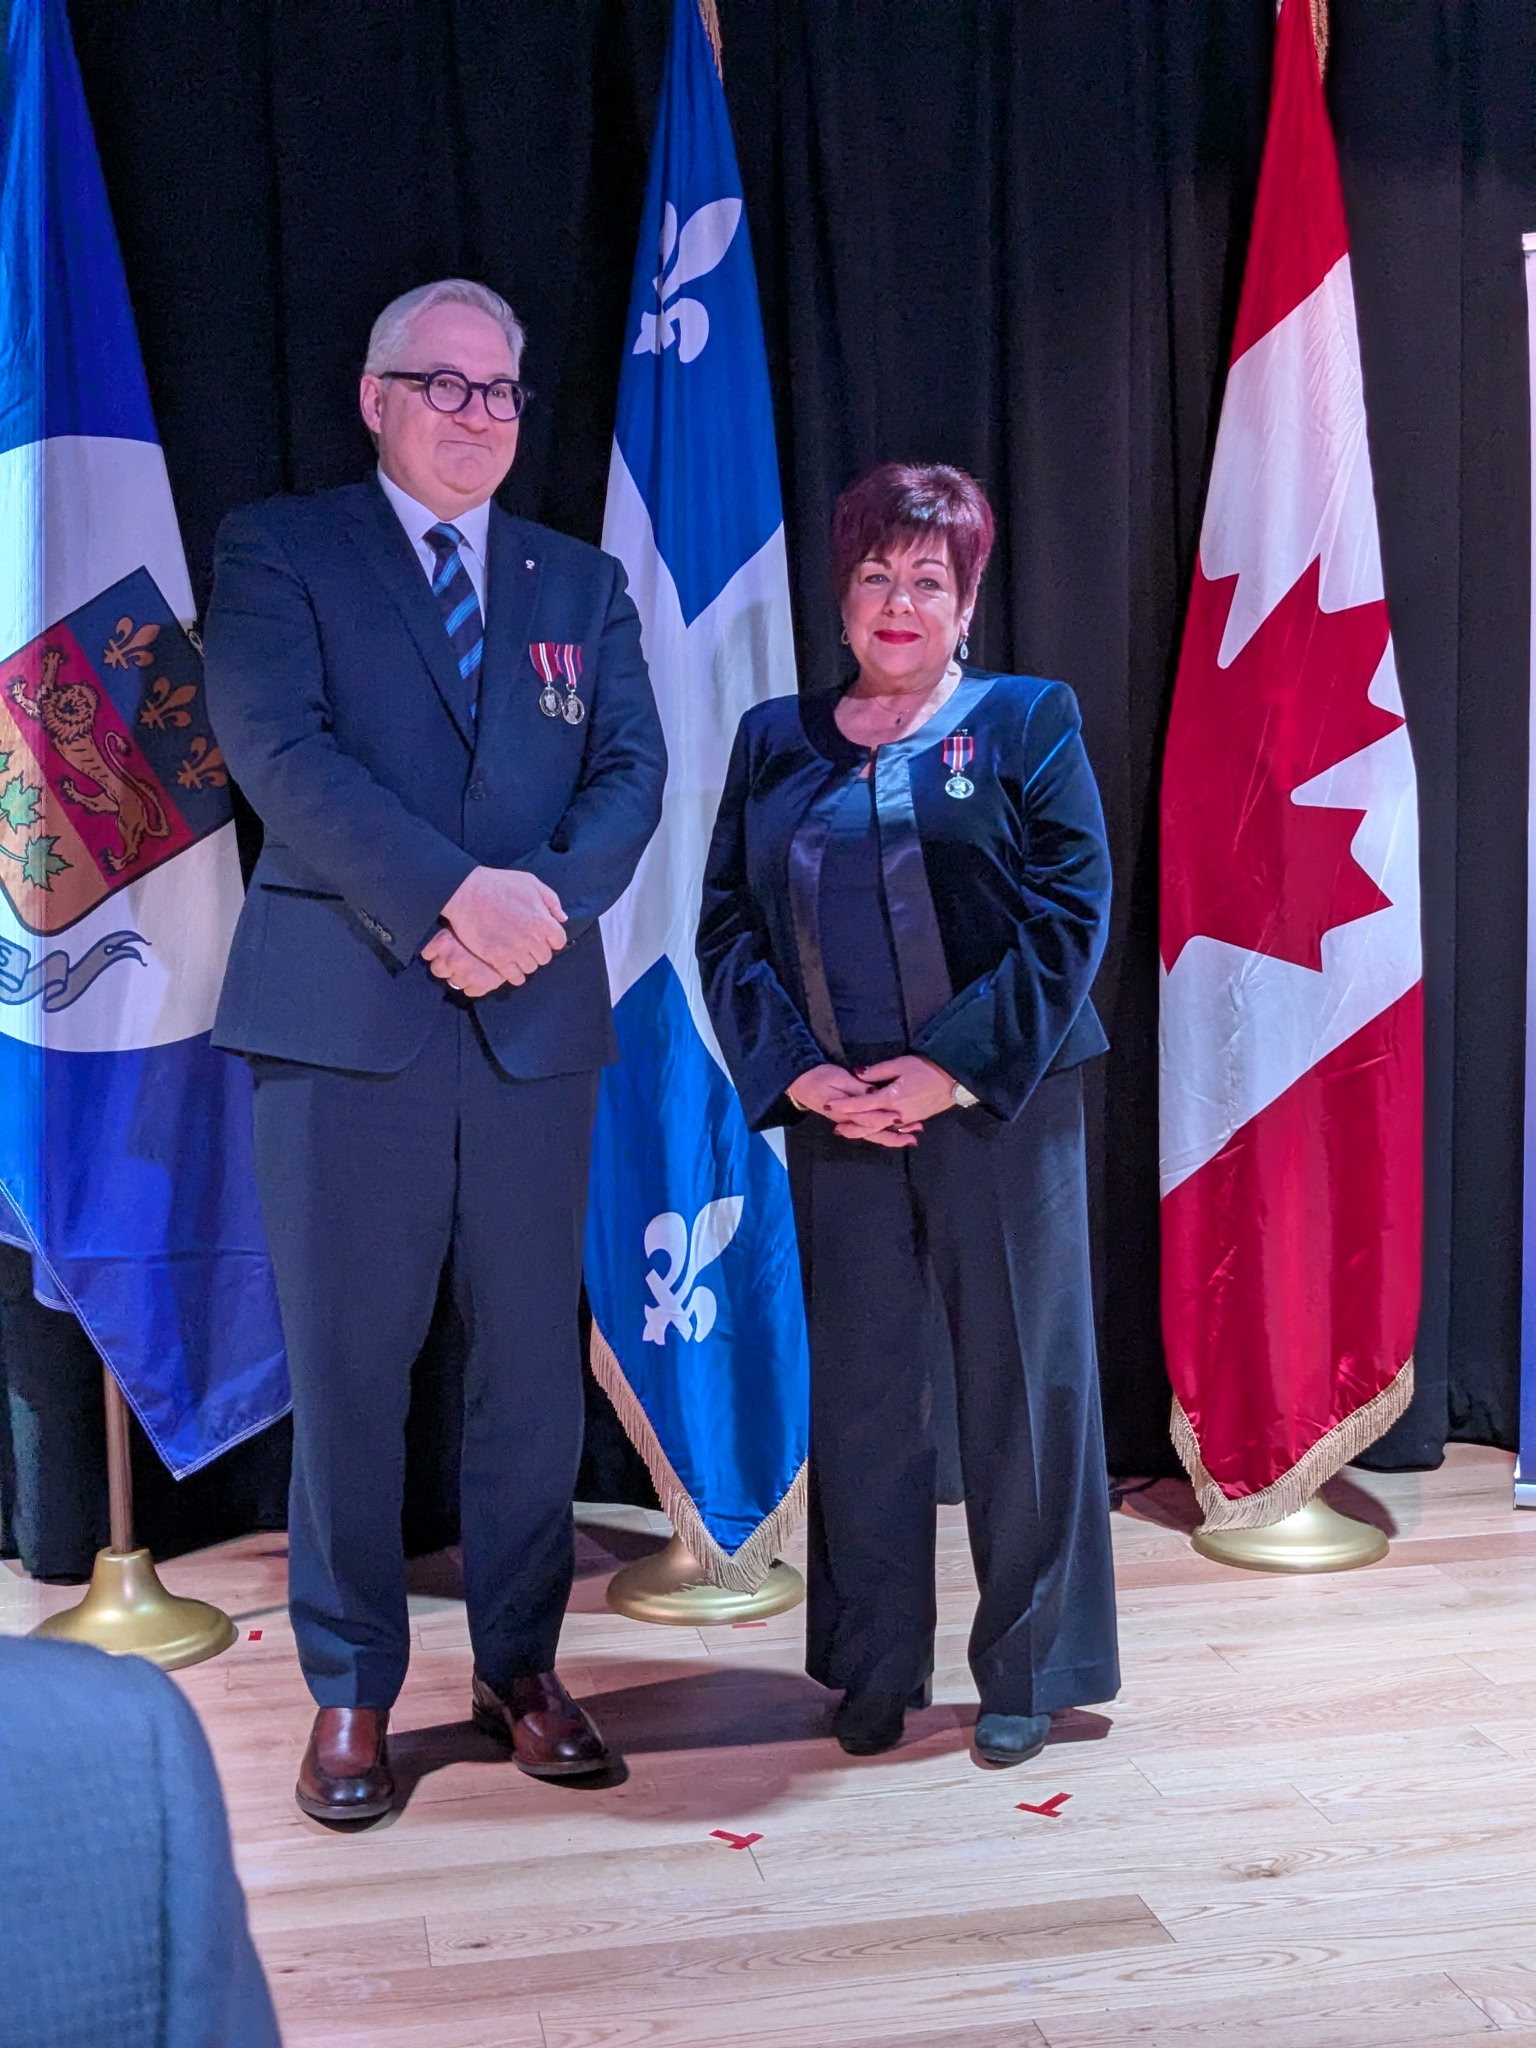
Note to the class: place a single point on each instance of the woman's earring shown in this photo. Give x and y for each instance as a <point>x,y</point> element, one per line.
<point>964,649</point>
<point>846,641</point>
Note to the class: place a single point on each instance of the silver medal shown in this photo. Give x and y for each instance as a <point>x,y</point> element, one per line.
<point>549,701</point>
<point>959,785</point>
<point>573,711</point>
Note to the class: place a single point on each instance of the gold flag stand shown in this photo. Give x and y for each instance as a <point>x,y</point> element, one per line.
<point>671,1588</point>
<point>126,1610</point>
<point>1317,1538</point>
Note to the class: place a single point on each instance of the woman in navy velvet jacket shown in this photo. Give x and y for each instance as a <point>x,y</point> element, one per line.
<point>904,908</point>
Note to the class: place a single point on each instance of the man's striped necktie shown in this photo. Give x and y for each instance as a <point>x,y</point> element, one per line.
<point>461,608</point>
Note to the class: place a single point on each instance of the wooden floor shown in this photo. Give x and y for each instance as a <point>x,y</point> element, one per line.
<point>1308,1821</point>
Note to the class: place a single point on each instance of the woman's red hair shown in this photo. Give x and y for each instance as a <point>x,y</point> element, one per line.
<point>901,502</point>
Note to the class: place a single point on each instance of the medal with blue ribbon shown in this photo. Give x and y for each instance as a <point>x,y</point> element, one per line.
<point>959,750</point>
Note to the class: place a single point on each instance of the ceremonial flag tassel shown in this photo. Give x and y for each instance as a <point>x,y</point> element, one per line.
<point>1291,1028</point>
<point>125,1138</point>
<point>692,1273</point>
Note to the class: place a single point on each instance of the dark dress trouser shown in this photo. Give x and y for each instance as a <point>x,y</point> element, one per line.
<point>371,1184</point>
<point>991,1219</point>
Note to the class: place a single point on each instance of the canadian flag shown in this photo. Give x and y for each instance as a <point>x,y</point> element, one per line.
<point>1292,1024</point>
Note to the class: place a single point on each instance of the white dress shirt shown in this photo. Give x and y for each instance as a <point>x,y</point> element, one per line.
<point>418,520</point>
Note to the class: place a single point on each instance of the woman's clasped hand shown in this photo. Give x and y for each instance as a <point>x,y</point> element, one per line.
<point>885,1104</point>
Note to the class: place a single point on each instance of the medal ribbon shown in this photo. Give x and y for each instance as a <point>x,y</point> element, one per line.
<point>959,751</point>
<point>557,660</point>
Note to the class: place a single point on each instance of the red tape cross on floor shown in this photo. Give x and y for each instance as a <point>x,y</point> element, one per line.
<point>734,1841</point>
<point>1052,1807</point>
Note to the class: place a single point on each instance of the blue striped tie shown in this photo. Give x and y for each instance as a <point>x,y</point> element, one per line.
<point>461,608</point>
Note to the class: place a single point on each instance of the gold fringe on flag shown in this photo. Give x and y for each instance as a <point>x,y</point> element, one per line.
<point>737,1571</point>
<point>1319,34</point>
<point>1289,1494</point>
<point>710,16</point>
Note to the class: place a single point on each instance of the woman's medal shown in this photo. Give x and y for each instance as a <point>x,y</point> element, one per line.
<point>549,701</point>
<point>959,750</point>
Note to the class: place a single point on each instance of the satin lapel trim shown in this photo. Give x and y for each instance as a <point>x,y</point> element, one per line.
<point>512,589</point>
<point>382,540</point>
<point>806,849</point>
<point>915,933</point>
<point>921,966</point>
<point>920,962</point>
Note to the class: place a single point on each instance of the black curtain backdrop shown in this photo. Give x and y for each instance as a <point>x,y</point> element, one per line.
<point>1004,233</point>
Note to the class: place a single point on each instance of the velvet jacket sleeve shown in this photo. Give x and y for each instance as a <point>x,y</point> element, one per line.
<point>265,677</point>
<point>766,1041</point>
<point>1000,1033</point>
<point>592,855</point>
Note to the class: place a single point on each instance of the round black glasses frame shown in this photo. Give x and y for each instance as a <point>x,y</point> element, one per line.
<point>432,381</point>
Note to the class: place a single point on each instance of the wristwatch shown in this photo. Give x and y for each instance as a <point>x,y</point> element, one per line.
<point>962,1097</point>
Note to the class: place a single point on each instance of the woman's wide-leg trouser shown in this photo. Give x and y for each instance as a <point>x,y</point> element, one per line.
<point>984,1226</point>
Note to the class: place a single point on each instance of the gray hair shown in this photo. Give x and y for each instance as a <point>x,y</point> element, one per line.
<point>386,344</point>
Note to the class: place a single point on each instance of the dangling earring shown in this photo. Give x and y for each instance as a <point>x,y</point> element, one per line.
<point>963,651</point>
<point>846,641</point>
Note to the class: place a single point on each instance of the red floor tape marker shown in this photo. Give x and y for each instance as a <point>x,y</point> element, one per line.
<point>254,1636</point>
<point>735,1841</point>
<point>1052,1807</point>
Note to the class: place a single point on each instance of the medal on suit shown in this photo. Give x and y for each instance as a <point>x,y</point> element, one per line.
<point>959,749</point>
<point>559,661</point>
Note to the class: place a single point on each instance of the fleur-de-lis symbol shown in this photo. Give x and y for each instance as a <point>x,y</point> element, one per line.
<point>705,237</point>
<point>128,647</point>
<point>204,768</point>
<point>165,706</point>
<point>677,1303</point>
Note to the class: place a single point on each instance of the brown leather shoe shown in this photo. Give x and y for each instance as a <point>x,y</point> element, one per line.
<point>345,1774</point>
<point>549,1735</point>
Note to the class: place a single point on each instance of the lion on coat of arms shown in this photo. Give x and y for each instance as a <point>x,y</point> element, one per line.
<point>67,712</point>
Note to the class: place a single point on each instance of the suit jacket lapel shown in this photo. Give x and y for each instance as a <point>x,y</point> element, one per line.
<point>393,560</point>
<point>514,571</point>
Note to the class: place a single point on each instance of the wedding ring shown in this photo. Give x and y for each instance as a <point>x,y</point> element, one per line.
<point>455,987</point>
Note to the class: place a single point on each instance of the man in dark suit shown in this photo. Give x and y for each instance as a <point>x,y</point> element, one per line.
<point>443,717</point>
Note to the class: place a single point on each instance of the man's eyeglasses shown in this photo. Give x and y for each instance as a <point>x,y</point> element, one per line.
<point>447,391</point>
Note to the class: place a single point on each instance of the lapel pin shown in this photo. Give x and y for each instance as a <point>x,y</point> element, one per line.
<point>527,565</point>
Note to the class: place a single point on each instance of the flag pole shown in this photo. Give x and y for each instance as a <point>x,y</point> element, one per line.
<point>126,1610</point>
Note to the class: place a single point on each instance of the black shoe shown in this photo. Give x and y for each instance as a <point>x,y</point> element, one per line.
<point>868,1722</point>
<point>1011,1738</point>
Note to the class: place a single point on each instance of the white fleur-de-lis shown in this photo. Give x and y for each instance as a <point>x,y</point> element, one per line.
<point>677,1303</point>
<point>705,237</point>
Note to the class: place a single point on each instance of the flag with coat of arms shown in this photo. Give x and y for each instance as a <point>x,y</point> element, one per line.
<point>125,1138</point>
<point>1292,1011</point>
<point>691,1264</point>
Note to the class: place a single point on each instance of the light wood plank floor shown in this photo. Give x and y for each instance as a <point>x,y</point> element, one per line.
<point>1308,1821</point>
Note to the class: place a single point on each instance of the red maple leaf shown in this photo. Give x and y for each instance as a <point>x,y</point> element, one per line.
<point>1241,862</point>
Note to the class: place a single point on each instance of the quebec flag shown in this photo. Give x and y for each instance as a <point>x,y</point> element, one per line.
<point>692,1271</point>
<point>125,1139</point>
